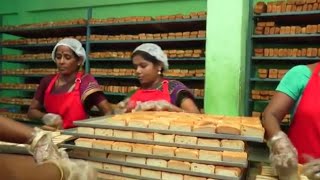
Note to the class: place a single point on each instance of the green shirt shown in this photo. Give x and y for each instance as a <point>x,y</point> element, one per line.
<point>294,82</point>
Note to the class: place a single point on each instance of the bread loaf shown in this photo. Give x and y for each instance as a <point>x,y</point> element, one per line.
<point>122,134</point>
<point>164,151</point>
<point>122,146</point>
<point>85,130</point>
<point>228,171</point>
<point>169,138</point>
<point>228,128</point>
<point>151,173</point>
<point>142,148</point>
<point>185,126</point>
<point>136,160</point>
<point>210,155</point>
<point>237,157</point>
<point>233,144</point>
<point>117,157</point>
<point>102,144</point>
<point>171,176</point>
<point>97,165</point>
<point>187,153</point>
<point>103,132</point>
<point>143,136</point>
<point>157,162</point>
<point>180,165</point>
<point>202,168</point>
<point>84,142</point>
<point>208,142</point>
<point>179,139</point>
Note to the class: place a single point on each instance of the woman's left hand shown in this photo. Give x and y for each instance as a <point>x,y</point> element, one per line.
<point>312,169</point>
<point>161,105</point>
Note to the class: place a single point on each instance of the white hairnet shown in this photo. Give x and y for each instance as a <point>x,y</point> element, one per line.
<point>156,51</point>
<point>73,44</point>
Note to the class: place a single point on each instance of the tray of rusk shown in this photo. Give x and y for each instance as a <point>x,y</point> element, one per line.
<point>166,145</point>
<point>57,138</point>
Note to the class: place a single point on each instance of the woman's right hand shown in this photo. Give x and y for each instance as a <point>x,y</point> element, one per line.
<point>283,156</point>
<point>52,120</point>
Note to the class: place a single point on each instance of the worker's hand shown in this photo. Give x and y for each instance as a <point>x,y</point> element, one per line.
<point>283,156</point>
<point>121,107</point>
<point>42,148</point>
<point>72,169</point>
<point>312,168</point>
<point>161,105</point>
<point>53,120</point>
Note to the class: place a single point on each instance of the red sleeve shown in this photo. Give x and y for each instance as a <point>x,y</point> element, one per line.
<point>44,83</point>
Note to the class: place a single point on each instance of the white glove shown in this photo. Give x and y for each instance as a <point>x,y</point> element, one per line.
<point>72,169</point>
<point>312,169</point>
<point>161,105</point>
<point>283,156</point>
<point>42,148</point>
<point>51,119</point>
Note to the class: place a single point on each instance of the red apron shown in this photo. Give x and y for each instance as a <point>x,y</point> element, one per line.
<point>304,131</point>
<point>67,105</point>
<point>150,95</point>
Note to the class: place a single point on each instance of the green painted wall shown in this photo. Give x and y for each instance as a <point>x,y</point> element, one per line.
<point>225,56</point>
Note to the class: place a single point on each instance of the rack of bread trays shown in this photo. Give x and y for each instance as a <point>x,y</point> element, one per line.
<point>109,43</point>
<point>282,34</point>
<point>165,145</point>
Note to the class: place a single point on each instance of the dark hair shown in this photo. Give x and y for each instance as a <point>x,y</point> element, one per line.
<point>148,57</point>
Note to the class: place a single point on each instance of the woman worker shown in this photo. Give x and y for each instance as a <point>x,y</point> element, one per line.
<point>297,92</point>
<point>51,163</point>
<point>156,92</point>
<point>69,94</point>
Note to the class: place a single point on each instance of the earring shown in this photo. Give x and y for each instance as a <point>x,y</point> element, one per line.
<point>159,72</point>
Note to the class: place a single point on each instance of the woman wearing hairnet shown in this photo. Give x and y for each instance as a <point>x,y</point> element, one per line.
<point>69,94</point>
<point>47,163</point>
<point>298,91</point>
<point>157,93</point>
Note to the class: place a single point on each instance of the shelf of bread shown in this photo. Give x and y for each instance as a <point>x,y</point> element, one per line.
<point>210,157</point>
<point>134,19</point>
<point>26,57</point>
<point>287,52</point>
<point>35,71</point>
<point>197,125</point>
<point>43,25</point>
<point>268,173</point>
<point>17,116</point>
<point>271,73</point>
<point>131,72</point>
<point>159,168</point>
<point>157,139</point>
<point>123,90</point>
<point>37,41</point>
<point>166,170</point>
<point>18,86</point>
<point>270,28</point>
<point>149,36</point>
<point>286,7</point>
<point>173,53</point>
<point>262,94</point>
<point>286,118</point>
<point>16,101</point>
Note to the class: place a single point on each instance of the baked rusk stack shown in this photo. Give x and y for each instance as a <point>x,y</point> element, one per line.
<point>166,145</point>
